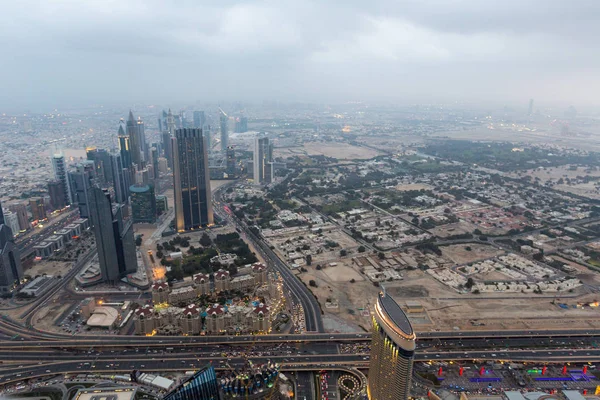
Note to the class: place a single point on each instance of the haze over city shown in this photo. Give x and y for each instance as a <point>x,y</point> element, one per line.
<point>299,200</point>
<point>72,53</point>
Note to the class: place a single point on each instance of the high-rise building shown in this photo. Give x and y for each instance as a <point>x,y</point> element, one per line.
<point>114,237</point>
<point>81,184</point>
<point>392,351</point>
<point>191,180</point>
<point>230,167</point>
<point>166,138</point>
<point>143,203</point>
<point>154,157</point>
<point>241,124</point>
<point>163,167</point>
<point>11,272</point>
<point>102,164</point>
<point>134,129</point>
<point>202,385</point>
<point>124,148</point>
<point>60,174</point>
<point>38,210</point>
<point>12,221</point>
<point>20,209</point>
<point>530,107</point>
<point>57,195</point>
<point>224,121</point>
<point>199,119</point>
<point>1,215</point>
<point>118,178</point>
<point>263,160</point>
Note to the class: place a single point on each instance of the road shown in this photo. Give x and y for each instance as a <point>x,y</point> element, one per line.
<point>119,363</point>
<point>301,294</point>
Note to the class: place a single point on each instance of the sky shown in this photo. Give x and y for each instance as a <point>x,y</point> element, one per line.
<point>60,53</point>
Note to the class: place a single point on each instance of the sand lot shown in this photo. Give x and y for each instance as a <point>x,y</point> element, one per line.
<point>459,254</point>
<point>341,151</point>
<point>413,186</point>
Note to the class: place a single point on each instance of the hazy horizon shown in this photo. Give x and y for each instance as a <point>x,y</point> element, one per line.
<point>69,54</point>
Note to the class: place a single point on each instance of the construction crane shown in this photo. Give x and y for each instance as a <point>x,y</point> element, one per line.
<point>222,112</point>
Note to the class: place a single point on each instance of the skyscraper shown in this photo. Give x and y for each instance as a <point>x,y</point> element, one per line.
<point>143,203</point>
<point>124,148</point>
<point>81,184</point>
<point>11,272</point>
<point>1,215</point>
<point>166,138</point>
<point>102,165</point>
<point>202,385</point>
<point>530,107</point>
<point>191,180</point>
<point>119,174</point>
<point>199,119</point>
<point>57,195</point>
<point>263,160</point>
<point>230,167</point>
<point>392,351</point>
<point>154,157</point>
<point>134,129</point>
<point>224,120</point>
<point>114,237</point>
<point>60,174</point>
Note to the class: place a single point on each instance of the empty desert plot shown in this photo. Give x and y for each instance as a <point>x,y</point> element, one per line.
<point>341,151</point>
<point>556,173</point>
<point>413,186</point>
<point>342,273</point>
<point>460,254</point>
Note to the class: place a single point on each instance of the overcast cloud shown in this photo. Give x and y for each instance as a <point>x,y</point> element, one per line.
<point>59,53</point>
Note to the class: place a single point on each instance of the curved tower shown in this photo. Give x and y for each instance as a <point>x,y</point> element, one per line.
<point>392,351</point>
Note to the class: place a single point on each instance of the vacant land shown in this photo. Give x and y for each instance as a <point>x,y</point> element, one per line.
<point>471,252</point>
<point>341,151</point>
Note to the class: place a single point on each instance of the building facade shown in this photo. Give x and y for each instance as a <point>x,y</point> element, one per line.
<point>11,272</point>
<point>191,180</point>
<point>143,203</point>
<point>263,159</point>
<point>38,209</point>
<point>224,124</point>
<point>57,195</point>
<point>114,237</point>
<point>231,164</point>
<point>202,385</point>
<point>60,174</point>
<point>392,351</point>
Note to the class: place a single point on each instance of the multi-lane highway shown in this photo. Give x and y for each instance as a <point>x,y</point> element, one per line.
<point>21,365</point>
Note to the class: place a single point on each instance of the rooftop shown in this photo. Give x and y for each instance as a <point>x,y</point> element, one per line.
<point>107,393</point>
<point>395,313</point>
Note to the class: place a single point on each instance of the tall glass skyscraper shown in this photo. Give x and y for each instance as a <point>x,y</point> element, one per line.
<point>200,386</point>
<point>392,351</point>
<point>224,122</point>
<point>114,237</point>
<point>191,180</point>
<point>124,148</point>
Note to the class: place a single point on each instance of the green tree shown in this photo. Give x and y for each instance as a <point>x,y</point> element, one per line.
<point>361,249</point>
<point>205,240</point>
